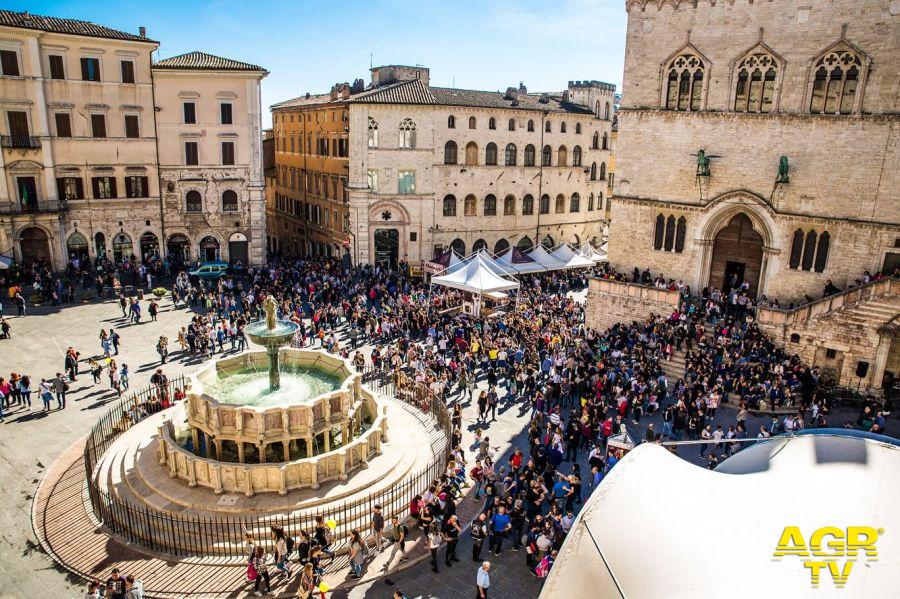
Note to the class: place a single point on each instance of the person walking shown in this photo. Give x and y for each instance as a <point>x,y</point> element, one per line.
<point>397,534</point>
<point>357,553</point>
<point>152,309</point>
<point>114,340</point>
<point>450,532</point>
<point>46,393</point>
<point>500,525</point>
<point>71,364</point>
<point>479,534</point>
<point>262,572</point>
<point>433,542</point>
<point>60,386</point>
<point>483,581</point>
<point>377,526</point>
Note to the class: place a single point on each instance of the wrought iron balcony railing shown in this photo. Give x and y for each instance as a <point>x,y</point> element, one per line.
<point>20,141</point>
<point>33,206</point>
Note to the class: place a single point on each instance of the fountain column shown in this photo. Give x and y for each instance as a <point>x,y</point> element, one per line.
<point>261,449</point>
<point>274,372</point>
<point>240,448</point>
<point>287,450</point>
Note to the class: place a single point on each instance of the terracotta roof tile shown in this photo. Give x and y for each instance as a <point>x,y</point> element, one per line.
<point>204,62</point>
<point>27,20</point>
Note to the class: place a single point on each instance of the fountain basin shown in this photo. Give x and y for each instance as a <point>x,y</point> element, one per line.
<point>259,333</point>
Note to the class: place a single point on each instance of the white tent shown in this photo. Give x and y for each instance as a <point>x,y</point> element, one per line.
<point>475,276</point>
<point>448,259</point>
<point>498,268</point>
<point>588,251</point>
<point>571,259</point>
<point>519,261</point>
<point>627,541</point>
<point>542,257</point>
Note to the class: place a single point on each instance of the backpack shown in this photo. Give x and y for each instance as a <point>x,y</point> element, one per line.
<point>543,568</point>
<point>289,543</point>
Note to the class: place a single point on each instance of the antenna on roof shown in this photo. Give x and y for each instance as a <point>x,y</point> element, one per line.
<point>370,61</point>
<point>454,82</point>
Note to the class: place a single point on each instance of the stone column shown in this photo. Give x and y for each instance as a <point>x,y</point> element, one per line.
<point>309,446</point>
<point>705,247</point>
<point>261,449</point>
<point>195,437</point>
<point>287,450</point>
<point>218,444</point>
<point>885,339</point>
<point>326,437</point>
<point>345,434</point>
<point>314,473</point>
<point>240,449</point>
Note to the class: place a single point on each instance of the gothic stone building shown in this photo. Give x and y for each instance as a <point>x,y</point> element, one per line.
<point>794,105</point>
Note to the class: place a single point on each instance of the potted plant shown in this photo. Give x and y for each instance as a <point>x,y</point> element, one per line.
<point>160,292</point>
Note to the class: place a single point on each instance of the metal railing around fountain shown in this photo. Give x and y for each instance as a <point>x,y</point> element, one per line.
<point>185,535</point>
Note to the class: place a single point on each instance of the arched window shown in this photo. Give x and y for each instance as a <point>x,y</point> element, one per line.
<point>595,141</point>
<point>479,245</point>
<point>591,203</point>
<point>605,142</point>
<point>755,87</point>
<point>373,133</point>
<point>659,232</point>
<point>560,204</point>
<point>546,155</point>
<point>451,122</point>
<point>527,205</point>
<point>471,154</point>
<point>511,154</point>
<point>490,205</point>
<point>822,252</point>
<point>193,201</point>
<point>593,171</point>
<point>545,204</point>
<point>509,206</point>
<point>525,244</point>
<point>796,249</point>
<point>562,127</point>
<point>680,233</point>
<point>606,112</point>
<point>603,171</point>
<point>597,109</point>
<point>472,122</point>
<point>576,156</point>
<point>529,155</point>
<point>492,123</point>
<point>547,127</point>
<point>229,201</point>
<point>512,124</point>
<point>450,152</point>
<point>809,250</point>
<point>530,125</point>
<point>458,246</point>
<point>577,128</point>
<point>599,200</point>
<point>670,234</point>
<point>500,247</point>
<point>835,82</point>
<point>575,203</point>
<point>469,205</point>
<point>490,154</point>
<point>562,156</point>
<point>407,134</point>
<point>450,205</point>
<point>548,242</point>
<point>684,90</point>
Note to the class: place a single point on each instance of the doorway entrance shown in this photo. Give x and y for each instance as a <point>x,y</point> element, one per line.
<point>27,193</point>
<point>737,256</point>
<point>238,251</point>
<point>387,247</point>
<point>35,246</point>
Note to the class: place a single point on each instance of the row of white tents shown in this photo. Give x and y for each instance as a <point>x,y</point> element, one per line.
<point>483,273</point>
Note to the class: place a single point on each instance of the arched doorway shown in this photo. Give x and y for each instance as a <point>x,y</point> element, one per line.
<point>548,242</point>
<point>122,247</point>
<point>35,246</point>
<point>238,249</point>
<point>480,244</point>
<point>77,248</point>
<point>179,249</point>
<point>209,249</point>
<point>387,247</point>
<point>501,246</point>
<point>149,246</point>
<point>100,245</point>
<point>736,256</point>
<point>525,244</point>
<point>458,246</point>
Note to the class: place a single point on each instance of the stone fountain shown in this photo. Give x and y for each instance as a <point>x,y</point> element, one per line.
<point>272,334</point>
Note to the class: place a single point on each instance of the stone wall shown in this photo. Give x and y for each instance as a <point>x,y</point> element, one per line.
<point>611,302</point>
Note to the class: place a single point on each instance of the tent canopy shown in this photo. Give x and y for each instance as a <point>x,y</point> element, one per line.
<point>571,259</point>
<point>519,261</point>
<point>587,250</point>
<point>542,257</point>
<point>836,479</point>
<point>475,276</point>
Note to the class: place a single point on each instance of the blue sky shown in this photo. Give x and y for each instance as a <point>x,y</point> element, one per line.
<point>309,45</point>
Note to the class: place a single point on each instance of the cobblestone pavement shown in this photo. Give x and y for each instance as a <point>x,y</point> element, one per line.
<point>31,441</point>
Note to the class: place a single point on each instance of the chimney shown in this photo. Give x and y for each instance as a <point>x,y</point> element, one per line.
<point>522,88</point>
<point>358,86</point>
<point>545,99</point>
<point>142,31</point>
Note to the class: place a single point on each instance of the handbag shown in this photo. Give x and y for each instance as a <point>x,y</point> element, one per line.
<point>251,572</point>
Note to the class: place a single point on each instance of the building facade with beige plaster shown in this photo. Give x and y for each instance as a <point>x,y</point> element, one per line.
<point>426,168</point>
<point>80,173</point>
<point>759,86</point>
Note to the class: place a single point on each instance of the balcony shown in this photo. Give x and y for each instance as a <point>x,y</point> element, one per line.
<point>33,207</point>
<point>23,142</point>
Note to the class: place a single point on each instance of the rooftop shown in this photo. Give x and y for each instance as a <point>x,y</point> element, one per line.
<point>26,20</point>
<point>201,61</point>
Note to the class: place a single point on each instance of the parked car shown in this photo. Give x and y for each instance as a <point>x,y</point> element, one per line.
<point>210,270</point>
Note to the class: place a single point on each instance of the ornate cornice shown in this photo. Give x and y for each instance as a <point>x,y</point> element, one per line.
<point>779,116</point>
